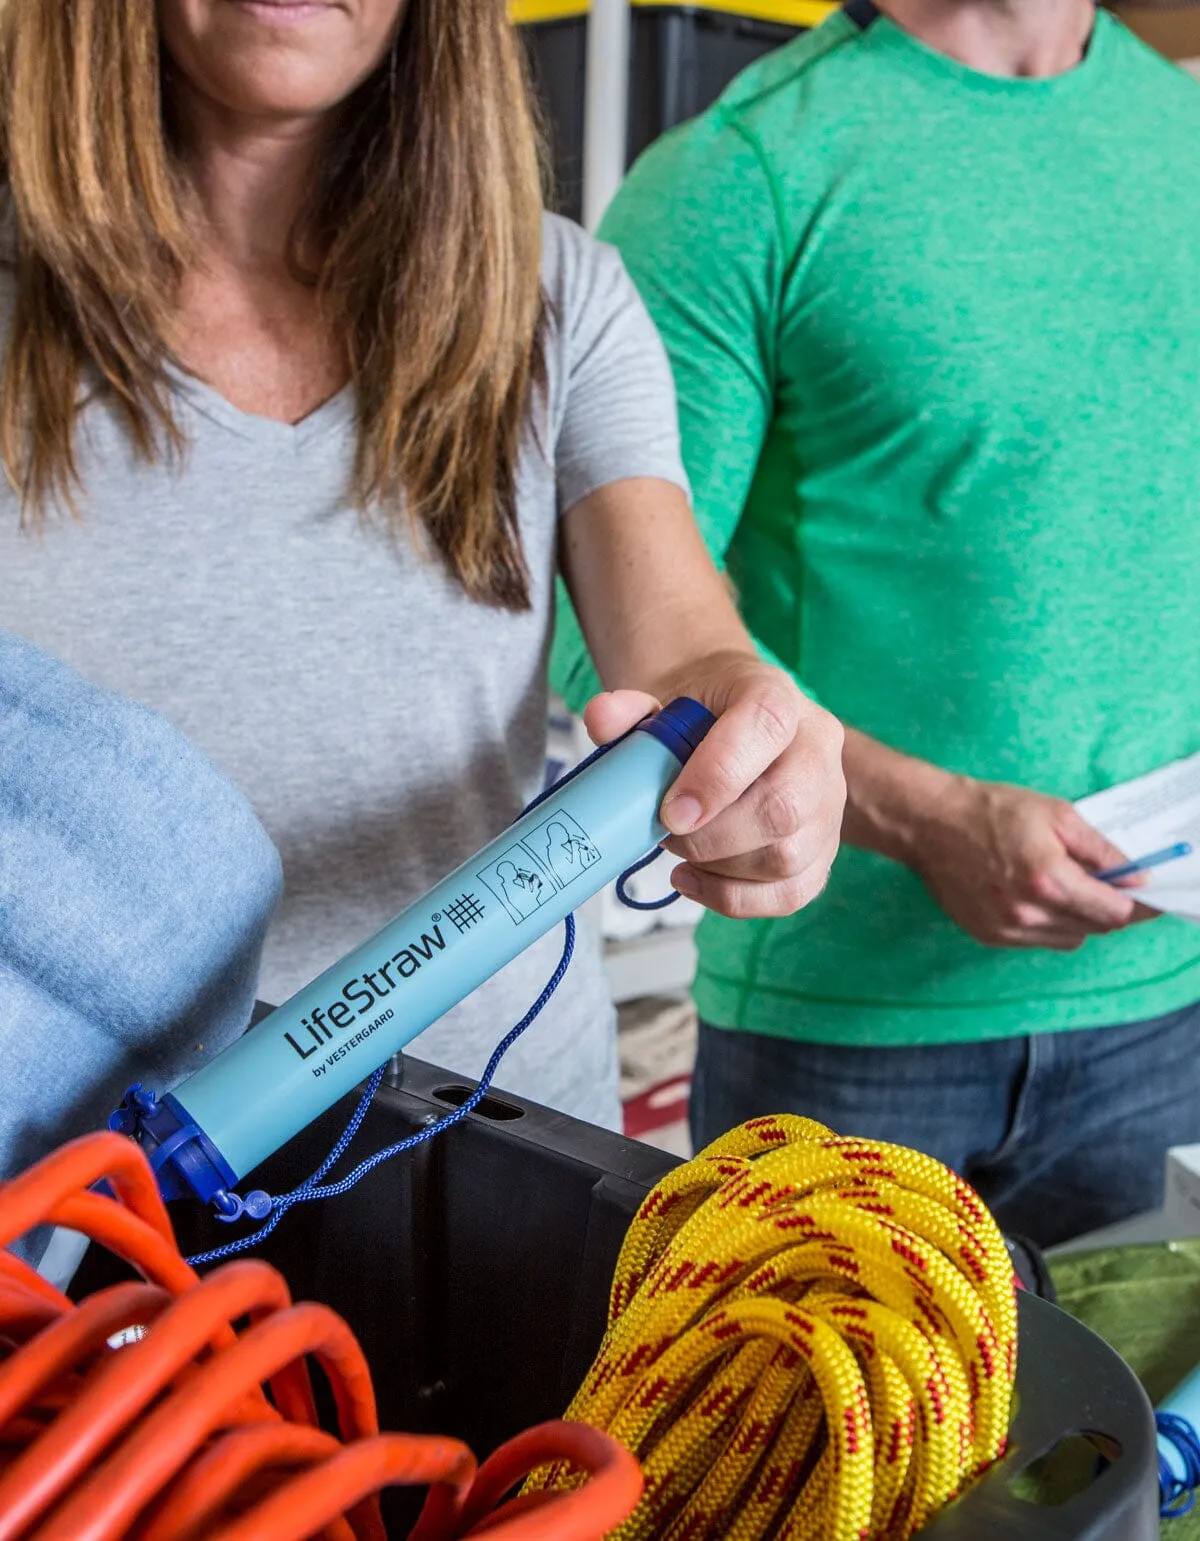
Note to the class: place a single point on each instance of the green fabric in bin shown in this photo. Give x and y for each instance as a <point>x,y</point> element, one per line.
<point>1145,1302</point>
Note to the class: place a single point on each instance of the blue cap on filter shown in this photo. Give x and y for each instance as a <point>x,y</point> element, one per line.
<point>680,726</point>
<point>184,1160</point>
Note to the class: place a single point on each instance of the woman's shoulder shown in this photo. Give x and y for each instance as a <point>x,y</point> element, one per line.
<point>578,271</point>
<point>589,295</point>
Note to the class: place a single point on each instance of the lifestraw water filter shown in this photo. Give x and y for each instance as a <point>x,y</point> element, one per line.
<point>223,1121</point>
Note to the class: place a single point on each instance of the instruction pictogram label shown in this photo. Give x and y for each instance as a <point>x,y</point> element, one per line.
<point>563,847</point>
<point>532,871</point>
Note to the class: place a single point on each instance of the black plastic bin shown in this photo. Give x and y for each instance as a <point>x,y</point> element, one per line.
<point>555,36</point>
<point>682,57</point>
<point>475,1272</point>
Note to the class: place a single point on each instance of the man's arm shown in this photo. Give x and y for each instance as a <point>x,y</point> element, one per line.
<point>1010,866</point>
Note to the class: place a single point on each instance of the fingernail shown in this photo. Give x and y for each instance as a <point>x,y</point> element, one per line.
<point>681,814</point>
<point>686,882</point>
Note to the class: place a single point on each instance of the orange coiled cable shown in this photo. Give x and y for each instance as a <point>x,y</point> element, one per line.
<point>200,1430</point>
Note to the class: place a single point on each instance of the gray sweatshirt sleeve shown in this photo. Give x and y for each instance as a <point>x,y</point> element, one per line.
<point>618,410</point>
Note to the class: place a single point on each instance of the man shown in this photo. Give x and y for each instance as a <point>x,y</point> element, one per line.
<point>929,278</point>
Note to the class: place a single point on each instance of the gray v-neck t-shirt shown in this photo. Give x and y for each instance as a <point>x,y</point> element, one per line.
<point>382,725</point>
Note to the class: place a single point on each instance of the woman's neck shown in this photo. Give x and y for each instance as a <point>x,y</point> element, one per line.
<point>246,322</point>
<point>251,180</point>
<point>1020,38</point>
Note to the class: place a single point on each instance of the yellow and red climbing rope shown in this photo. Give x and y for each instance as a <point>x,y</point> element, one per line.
<point>810,1339</point>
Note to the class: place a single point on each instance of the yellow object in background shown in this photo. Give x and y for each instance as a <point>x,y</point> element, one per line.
<point>787,13</point>
<point>784,13</point>
<point>810,1338</point>
<point>524,12</point>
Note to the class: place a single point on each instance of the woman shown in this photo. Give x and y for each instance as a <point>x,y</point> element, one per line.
<point>330,400</point>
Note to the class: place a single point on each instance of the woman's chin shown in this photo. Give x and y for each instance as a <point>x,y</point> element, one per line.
<point>278,88</point>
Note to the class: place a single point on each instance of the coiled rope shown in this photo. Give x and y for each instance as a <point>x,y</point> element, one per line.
<point>810,1338</point>
<point>173,1438</point>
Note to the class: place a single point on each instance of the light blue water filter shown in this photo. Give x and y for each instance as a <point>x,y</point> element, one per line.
<point>228,1117</point>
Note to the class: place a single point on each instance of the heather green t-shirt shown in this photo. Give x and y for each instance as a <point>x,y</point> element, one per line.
<point>936,339</point>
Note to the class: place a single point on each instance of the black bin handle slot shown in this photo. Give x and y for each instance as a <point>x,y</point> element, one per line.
<point>492,1107</point>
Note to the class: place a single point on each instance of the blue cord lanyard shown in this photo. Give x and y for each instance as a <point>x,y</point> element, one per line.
<point>262,1206</point>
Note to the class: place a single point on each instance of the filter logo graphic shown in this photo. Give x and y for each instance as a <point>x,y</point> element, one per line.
<point>464,911</point>
<point>362,994</point>
<point>532,871</point>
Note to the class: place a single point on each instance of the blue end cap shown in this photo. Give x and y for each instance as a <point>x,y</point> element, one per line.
<point>681,726</point>
<point>184,1159</point>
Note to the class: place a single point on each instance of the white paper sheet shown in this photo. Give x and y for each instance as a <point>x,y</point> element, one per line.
<point>1149,814</point>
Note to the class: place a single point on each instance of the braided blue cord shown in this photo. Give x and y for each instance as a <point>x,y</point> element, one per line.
<point>312,1188</point>
<point>1177,1495</point>
<point>643,904</point>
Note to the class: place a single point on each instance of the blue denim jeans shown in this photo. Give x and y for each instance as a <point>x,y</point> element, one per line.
<point>1059,1132</point>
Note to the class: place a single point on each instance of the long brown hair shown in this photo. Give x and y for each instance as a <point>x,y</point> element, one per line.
<point>426,216</point>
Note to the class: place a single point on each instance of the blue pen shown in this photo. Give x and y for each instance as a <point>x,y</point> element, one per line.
<point>1155,859</point>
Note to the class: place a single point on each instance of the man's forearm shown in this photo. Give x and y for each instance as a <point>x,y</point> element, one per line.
<point>890,796</point>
